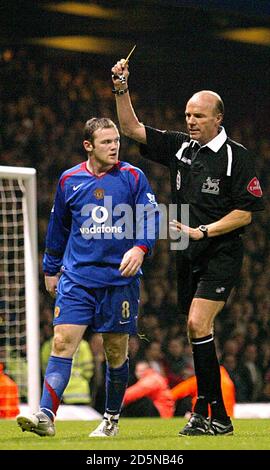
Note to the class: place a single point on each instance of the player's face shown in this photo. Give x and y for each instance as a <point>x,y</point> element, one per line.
<point>202,119</point>
<point>105,146</point>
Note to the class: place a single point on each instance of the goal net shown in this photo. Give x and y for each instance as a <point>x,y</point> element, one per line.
<point>19,318</point>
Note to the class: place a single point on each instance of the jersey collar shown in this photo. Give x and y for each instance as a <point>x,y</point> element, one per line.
<point>216,143</point>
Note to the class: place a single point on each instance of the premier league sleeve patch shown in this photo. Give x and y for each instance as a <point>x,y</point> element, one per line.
<point>254,187</point>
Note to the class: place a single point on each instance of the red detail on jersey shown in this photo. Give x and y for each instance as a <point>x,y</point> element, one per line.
<point>254,187</point>
<point>143,248</point>
<point>103,174</point>
<point>132,170</point>
<point>63,180</point>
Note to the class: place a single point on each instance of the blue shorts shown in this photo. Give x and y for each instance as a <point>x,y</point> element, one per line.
<point>111,309</point>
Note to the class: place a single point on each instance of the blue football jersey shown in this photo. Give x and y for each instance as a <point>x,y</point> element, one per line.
<point>96,220</point>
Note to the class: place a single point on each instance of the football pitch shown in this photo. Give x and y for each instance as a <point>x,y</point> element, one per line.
<point>137,434</point>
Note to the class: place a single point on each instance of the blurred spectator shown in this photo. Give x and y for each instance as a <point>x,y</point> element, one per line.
<point>249,364</point>
<point>154,356</point>
<point>174,362</point>
<point>240,378</point>
<point>9,396</point>
<point>154,387</point>
<point>189,388</point>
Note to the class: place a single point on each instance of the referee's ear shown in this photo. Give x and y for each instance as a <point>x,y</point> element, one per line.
<point>220,118</point>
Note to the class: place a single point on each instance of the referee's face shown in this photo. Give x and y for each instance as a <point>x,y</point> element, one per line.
<point>203,120</point>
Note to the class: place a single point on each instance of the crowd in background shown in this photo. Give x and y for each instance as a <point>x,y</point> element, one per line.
<point>43,110</point>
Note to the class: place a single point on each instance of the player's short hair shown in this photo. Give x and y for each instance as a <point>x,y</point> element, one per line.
<point>94,124</point>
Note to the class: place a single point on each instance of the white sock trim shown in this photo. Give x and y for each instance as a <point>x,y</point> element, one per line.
<point>110,416</point>
<point>203,342</point>
<point>50,411</point>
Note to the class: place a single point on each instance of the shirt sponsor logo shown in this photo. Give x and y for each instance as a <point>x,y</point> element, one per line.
<point>121,221</point>
<point>99,193</point>
<point>211,186</point>
<point>99,216</point>
<point>101,229</point>
<point>254,187</point>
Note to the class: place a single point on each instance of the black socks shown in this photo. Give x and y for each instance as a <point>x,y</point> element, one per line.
<point>208,378</point>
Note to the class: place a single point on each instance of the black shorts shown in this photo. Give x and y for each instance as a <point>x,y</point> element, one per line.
<point>213,275</point>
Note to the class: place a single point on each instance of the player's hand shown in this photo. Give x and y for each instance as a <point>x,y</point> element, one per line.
<point>51,284</point>
<point>193,233</point>
<point>131,262</point>
<point>120,74</point>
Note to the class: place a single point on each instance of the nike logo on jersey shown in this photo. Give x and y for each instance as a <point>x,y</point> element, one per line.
<point>124,322</point>
<point>77,187</point>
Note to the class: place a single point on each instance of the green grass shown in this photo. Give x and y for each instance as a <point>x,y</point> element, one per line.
<point>137,433</point>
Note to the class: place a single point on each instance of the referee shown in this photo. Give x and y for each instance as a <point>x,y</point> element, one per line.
<point>216,177</point>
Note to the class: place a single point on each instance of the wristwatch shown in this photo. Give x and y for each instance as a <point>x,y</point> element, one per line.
<point>204,230</point>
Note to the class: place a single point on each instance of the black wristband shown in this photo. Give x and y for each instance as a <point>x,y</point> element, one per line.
<point>119,92</point>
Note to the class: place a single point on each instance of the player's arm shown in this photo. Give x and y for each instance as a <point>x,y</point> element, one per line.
<point>56,241</point>
<point>129,123</point>
<point>51,284</point>
<point>146,220</point>
<point>147,215</point>
<point>230,222</point>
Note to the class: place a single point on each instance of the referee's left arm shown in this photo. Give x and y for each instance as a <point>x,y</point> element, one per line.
<point>232,221</point>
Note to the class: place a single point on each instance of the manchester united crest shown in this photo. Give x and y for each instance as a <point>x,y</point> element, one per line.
<point>99,193</point>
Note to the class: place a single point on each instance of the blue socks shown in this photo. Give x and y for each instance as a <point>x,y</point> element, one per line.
<point>116,384</point>
<point>56,379</point>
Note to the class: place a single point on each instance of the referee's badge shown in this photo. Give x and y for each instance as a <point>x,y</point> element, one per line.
<point>99,193</point>
<point>178,180</point>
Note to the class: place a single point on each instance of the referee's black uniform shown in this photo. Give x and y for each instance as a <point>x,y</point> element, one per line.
<point>214,179</point>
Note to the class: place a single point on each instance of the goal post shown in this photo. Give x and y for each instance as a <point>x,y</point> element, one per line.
<point>19,310</point>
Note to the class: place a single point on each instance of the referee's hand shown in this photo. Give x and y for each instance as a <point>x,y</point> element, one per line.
<point>131,262</point>
<point>51,284</point>
<point>193,233</point>
<point>120,74</point>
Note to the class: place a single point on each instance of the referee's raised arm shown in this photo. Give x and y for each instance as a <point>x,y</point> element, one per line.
<point>129,123</point>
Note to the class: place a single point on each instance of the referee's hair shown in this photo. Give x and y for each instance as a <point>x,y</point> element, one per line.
<point>94,124</point>
<point>220,105</point>
<point>219,108</point>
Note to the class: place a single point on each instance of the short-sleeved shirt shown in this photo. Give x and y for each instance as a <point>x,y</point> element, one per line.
<point>213,180</point>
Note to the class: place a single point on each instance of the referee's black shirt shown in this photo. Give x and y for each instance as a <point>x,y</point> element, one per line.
<point>213,179</point>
